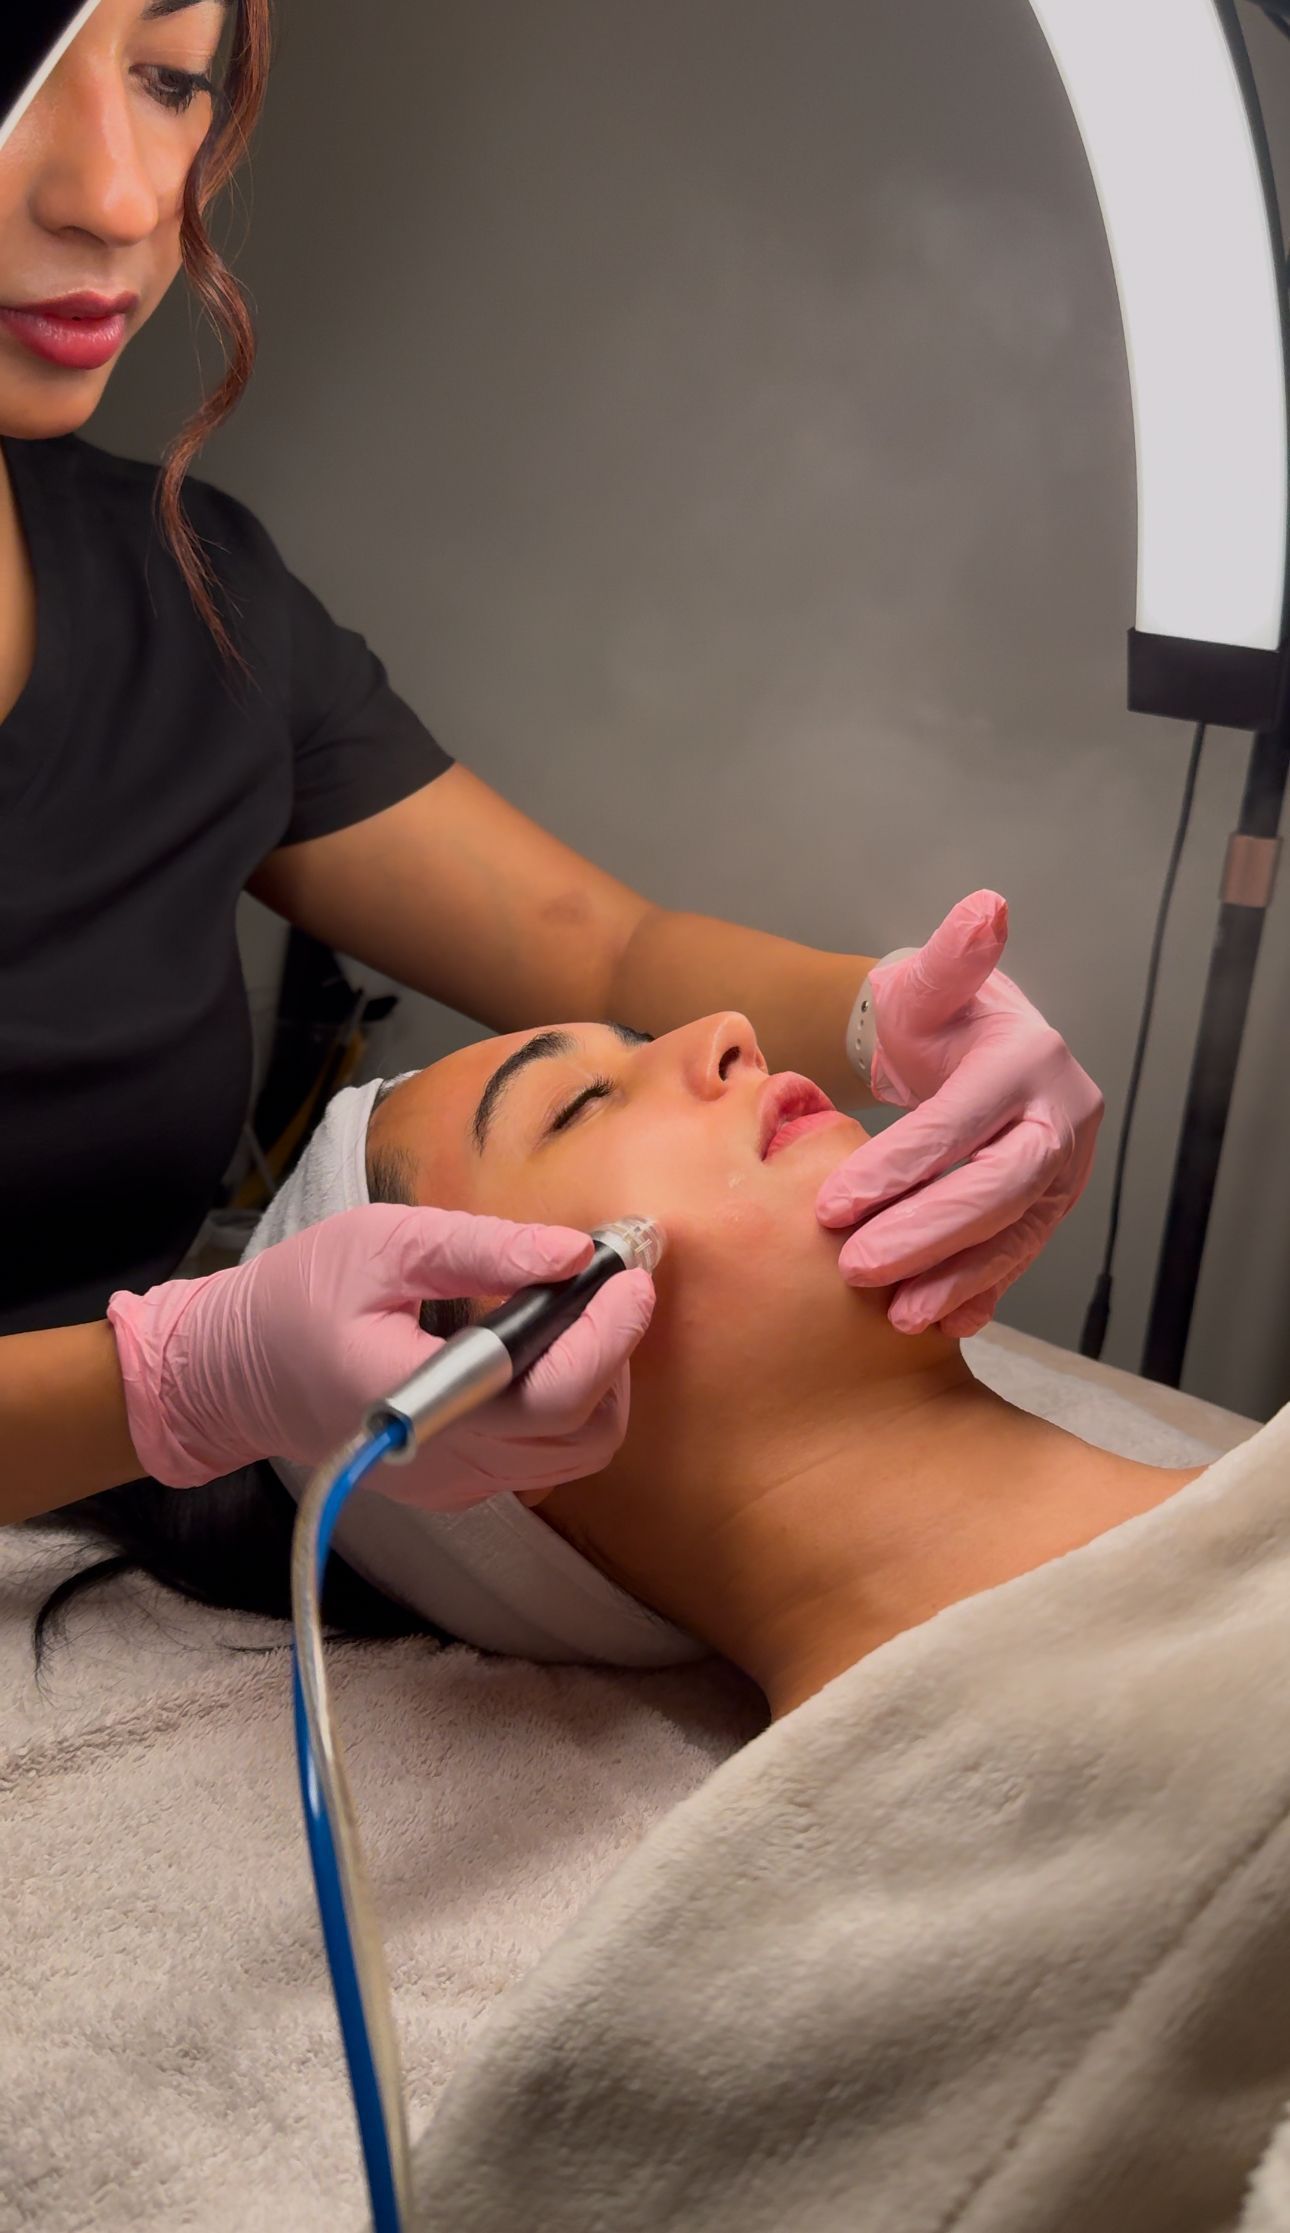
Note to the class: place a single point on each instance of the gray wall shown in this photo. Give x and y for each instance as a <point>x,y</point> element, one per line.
<point>715,412</point>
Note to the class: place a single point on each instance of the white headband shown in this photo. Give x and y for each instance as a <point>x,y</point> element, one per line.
<point>495,1576</point>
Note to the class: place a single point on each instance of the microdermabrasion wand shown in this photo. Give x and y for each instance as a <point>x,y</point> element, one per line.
<point>467,1371</point>
<point>479,1362</point>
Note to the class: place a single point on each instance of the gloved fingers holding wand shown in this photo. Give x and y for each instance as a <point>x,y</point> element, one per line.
<point>281,1355</point>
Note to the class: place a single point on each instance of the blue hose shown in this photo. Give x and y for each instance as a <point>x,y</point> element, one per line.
<point>377,2156</point>
<point>466,1371</point>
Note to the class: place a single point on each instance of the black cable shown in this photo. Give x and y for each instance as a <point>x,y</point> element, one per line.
<point>1099,1309</point>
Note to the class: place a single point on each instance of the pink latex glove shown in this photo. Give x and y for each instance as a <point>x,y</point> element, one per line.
<point>280,1357</point>
<point>988,1081</point>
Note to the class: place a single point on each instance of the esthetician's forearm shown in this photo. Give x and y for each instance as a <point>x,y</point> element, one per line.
<point>798,1000</point>
<point>63,1427</point>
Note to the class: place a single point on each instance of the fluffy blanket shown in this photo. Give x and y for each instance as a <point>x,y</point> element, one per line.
<point>169,2061</point>
<point>993,1934</point>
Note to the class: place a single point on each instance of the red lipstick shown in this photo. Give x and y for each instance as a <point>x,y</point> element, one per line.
<point>80,332</point>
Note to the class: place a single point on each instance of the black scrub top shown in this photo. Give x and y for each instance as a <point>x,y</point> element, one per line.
<point>140,787</point>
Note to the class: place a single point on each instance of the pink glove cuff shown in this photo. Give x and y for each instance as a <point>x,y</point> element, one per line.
<point>143,1326</point>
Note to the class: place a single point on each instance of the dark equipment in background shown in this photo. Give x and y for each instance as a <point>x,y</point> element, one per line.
<point>321,1032</point>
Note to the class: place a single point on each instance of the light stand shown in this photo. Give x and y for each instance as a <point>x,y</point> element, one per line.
<point>1250,870</point>
<point>1165,100</point>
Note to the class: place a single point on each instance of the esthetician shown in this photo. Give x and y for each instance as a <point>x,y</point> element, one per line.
<point>180,722</point>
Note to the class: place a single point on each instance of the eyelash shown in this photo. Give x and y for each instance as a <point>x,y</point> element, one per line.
<point>596,1091</point>
<point>176,90</point>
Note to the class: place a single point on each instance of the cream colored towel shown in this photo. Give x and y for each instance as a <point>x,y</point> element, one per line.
<point>169,2060</point>
<point>993,1935</point>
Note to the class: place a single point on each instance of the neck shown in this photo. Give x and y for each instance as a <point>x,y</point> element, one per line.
<point>796,1552</point>
<point>938,1503</point>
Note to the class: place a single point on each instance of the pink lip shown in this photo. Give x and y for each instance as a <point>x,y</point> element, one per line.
<point>790,1107</point>
<point>81,332</point>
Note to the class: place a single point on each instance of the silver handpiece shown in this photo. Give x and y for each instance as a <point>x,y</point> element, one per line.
<point>481,1361</point>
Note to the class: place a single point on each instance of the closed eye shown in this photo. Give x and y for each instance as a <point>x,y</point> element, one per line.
<point>598,1090</point>
<point>175,90</point>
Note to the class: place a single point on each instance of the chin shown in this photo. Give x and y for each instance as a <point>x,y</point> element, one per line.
<point>803,1168</point>
<point>39,410</point>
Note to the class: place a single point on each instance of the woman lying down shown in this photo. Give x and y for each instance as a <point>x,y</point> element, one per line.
<point>800,1482</point>
<point>990,1929</point>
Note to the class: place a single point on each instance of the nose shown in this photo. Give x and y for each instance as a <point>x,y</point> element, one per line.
<point>717,1051</point>
<point>93,178</point>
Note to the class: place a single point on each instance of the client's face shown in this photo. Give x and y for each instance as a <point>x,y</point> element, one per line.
<point>584,1123</point>
<point>755,1369</point>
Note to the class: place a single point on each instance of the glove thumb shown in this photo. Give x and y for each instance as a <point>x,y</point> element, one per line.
<point>932,985</point>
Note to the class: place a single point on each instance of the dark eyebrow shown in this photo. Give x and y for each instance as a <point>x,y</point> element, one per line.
<point>157,8</point>
<point>545,1047</point>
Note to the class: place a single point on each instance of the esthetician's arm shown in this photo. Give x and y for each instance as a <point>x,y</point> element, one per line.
<point>459,895</point>
<point>281,1356</point>
<point>63,1428</point>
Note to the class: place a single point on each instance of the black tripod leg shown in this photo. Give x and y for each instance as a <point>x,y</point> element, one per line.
<point>1247,889</point>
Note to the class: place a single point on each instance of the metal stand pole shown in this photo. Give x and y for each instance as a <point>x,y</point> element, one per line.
<point>1248,878</point>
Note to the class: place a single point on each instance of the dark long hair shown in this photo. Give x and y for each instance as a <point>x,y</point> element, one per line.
<point>221,296</point>
<point>225,1544</point>
<point>228,1543</point>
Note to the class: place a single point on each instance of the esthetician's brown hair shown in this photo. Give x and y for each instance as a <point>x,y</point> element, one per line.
<point>220,295</point>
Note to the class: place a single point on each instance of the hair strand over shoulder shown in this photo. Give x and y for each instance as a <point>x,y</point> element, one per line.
<point>221,297</point>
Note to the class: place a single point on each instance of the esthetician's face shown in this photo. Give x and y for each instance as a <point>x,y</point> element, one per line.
<point>91,195</point>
